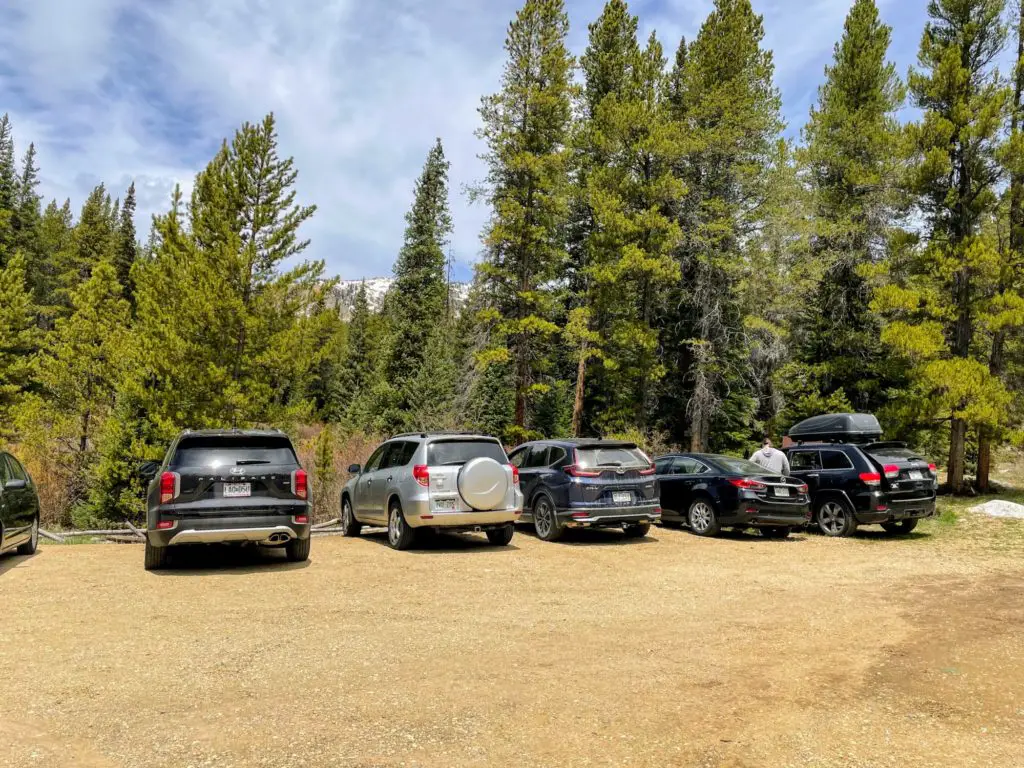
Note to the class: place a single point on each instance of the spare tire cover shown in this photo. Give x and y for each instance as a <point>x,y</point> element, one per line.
<point>483,483</point>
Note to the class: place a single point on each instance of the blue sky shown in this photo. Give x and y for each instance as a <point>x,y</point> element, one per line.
<point>145,90</point>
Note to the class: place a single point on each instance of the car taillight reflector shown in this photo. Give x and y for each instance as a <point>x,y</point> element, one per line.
<point>170,482</point>
<point>574,470</point>
<point>579,514</point>
<point>648,471</point>
<point>747,483</point>
<point>300,482</point>
<point>933,468</point>
<point>871,478</point>
<point>891,471</point>
<point>301,519</point>
<point>515,474</point>
<point>422,474</point>
<point>163,525</point>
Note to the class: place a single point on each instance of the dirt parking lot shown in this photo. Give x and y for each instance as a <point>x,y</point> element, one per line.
<point>668,651</point>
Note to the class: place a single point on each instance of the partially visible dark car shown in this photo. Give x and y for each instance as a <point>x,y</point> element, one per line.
<point>709,492</point>
<point>228,486</point>
<point>586,484</point>
<point>856,479</point>
<point>19,508</point>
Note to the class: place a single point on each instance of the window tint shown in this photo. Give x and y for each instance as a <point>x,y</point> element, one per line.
<point>556,456</point>
<point>740,466</point>
<point>661,466</point>
<point>456,452</point>
<point>688,466</point>
<point>398,454</point>
<point>17,471</point>
<point>538,457</point>
<point>896,454</point>
<point>804,460</point>
<point>228,450</point>
<point>835,460</point>
<point>611,457</point>
<point>375,457</point>
<point>5,472</point>
<point>517,458</point>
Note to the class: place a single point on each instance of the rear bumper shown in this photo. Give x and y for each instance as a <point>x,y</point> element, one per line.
<point>424,517</point>
<point>764,514</point>
<point>599,517</point>
<point>262,529</point>
<point>911,509</point>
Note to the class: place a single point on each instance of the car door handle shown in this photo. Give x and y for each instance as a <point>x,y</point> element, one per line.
<point>813,474</point>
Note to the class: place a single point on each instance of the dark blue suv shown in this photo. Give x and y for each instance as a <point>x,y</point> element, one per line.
<point>586,484</point>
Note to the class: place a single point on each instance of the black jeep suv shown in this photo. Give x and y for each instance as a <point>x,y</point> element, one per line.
<point>228,486</point>
<point>855,479</point>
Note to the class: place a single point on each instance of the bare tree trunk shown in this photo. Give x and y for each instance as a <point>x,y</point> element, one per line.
<point>957,449</point>
<point>577,407</point>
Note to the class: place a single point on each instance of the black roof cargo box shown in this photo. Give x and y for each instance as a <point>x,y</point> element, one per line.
<point>837,427</point>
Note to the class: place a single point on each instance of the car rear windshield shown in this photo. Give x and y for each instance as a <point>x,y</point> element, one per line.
<point>618,456</point>
<point>740,466</point>
<point>895,453</point>
<point>453,452</point>
<point>229,451</point>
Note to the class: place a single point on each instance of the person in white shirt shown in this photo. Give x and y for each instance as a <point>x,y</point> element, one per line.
<point>773,460</point>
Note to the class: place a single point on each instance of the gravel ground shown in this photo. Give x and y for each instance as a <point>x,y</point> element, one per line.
<point>669,651</point>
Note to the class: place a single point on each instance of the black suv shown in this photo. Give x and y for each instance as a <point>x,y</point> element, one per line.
<point>19,507</point>
<point>856,479</point>
<point>586,484</point>
<point>228,486</point>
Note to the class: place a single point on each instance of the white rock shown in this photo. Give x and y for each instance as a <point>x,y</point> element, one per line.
<point>1000,508</point>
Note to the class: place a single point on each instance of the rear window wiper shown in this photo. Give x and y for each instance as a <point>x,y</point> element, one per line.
<point>242,462</point>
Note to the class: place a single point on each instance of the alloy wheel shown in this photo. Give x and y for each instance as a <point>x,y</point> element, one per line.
<point>394,526</point>
<point>346,517</point>
<point>543,518</point>
<point>35,533</point>
<point>701,517</point>
<point>832,518</point>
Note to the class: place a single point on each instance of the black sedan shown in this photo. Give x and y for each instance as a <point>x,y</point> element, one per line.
<point>708,493</point>
<point>19,507</point>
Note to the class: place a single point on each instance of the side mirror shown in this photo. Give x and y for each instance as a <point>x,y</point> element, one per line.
<point>148,470</point>
<point>16,485</point>
<point>354,469</point>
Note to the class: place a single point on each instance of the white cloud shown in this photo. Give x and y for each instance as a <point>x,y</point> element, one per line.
<point>115,90</point>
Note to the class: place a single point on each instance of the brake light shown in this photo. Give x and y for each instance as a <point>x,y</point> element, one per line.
<point>170,482</point>
<point>515,474</point>
<point>301,519</point>
<point>804,489</point>
<point>300,485</point>
<point>163,525</point>
<point>871,478</point>
<point>648,471</point>
<point>933,468</point>
<point>891,471</point>
<point>747,484</point>
<point>574,470</point>
<point>422,474</point>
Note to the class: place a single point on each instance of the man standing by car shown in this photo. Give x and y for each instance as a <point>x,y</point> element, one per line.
<point>771,459</point>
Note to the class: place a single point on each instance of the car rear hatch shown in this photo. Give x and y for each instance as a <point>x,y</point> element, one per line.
<point>765,487</point>
<point>445,459</point>
<point>225,476</point>
<point>611,475</point>
<point>906,477</point>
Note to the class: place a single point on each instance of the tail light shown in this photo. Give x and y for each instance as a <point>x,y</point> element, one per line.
<point>515,474</point>
<point>871,478</point>
<point>170,483</point>
<point>575,470</point>
<point>648,471</point>
<point>933,468</point>
<point>891,471</point>
<point>804,489</point>
<point>165,525</point>
<point>747,484</point>
<point>422,474</point>
<point>300,484</point>
<point>301,519</point>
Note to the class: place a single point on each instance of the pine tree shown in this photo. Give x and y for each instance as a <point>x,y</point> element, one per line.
<point>55,229</point>
<point>127,247</point>
<point>526,129</point>
<point>361,362</point>
<point>632,147</point>
<point>18,339</point>
<point>92,241</point>
<point>852,162</point>
<point>420,290</point>
<point>723,95</point>
<point>8,189</point>
<point>937,296</point>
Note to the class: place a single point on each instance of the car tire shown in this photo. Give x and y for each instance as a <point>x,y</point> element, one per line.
<point>637,530</point>
<point>297,550</point>
<point>400,535</point>
<point>350,527</point>
<point>835,518</point>
<point>545,520</point>
<point>30,546</point>
<point>776,532</point>
<point>901,527</point>
<point>501,537</point>
<point>702,519</point>
<point>156,557</point>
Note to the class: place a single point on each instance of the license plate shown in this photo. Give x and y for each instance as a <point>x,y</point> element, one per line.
<point>235,490</point>
<point>622,497</point>
<point>915,474</point>
<point>444,504</point>
<point>782,492</point>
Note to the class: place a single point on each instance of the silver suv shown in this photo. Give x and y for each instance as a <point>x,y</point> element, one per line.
<point>440,481</point>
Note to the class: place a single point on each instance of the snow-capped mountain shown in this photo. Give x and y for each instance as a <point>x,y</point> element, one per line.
<point>344,294</point>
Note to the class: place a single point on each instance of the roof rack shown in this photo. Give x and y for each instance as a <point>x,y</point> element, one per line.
<point>439,433</point>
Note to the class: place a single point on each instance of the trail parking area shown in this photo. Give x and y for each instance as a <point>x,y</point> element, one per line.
<point>672,650</point>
